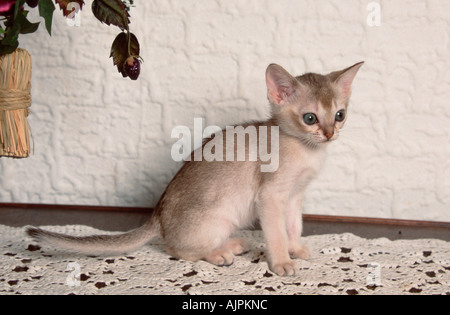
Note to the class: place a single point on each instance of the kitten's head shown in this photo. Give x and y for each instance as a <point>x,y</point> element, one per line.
<point>312,107</point>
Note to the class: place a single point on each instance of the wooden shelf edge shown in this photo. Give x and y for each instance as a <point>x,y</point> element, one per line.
<point>28,206</point>
<point>376,221</point>
<point>306,217</point>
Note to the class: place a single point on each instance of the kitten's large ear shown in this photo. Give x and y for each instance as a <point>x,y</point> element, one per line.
<point>281,86</point>
<point>343,80</point>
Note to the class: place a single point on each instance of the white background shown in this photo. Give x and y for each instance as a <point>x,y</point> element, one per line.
<point>104,140</point>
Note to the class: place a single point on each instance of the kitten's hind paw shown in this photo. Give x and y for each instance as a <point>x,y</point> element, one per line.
<point>238,246</point>
<point>221,257</point>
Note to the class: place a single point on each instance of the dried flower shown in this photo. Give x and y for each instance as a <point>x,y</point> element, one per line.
<point>113,12</point>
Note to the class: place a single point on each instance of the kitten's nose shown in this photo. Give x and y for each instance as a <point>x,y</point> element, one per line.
<point>329,135</point>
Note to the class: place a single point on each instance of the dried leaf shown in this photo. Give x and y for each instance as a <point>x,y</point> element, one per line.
<point>119,50</point>
<point>68,10</point>
<point>111,12</point>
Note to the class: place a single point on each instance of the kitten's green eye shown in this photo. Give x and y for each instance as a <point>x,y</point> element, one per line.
<point>340,115</point>
<point>310,119</point>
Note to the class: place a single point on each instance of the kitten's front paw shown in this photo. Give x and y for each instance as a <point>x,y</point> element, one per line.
<point>301,252</point>
<point>288,268</point>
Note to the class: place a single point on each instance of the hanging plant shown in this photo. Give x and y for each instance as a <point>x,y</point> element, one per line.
<point>125,48</point>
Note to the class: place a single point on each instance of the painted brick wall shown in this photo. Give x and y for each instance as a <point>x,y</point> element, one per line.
<point>103,140</point>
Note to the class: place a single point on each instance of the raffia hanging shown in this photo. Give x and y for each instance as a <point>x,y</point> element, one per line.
<point>15,100</point>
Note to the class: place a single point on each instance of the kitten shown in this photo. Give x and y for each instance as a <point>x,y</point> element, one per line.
<point>207,201</point>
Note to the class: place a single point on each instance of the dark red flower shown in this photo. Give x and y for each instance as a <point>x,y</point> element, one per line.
<point>132,68</point>
<point>32,3</point>
<point>6,6</point>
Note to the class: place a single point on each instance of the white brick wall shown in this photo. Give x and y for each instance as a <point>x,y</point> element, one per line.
<point>103,140</point>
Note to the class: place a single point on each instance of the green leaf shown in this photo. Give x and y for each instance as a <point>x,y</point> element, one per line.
<point>7,49</point>
<point>119,50</point>
<point>26,26</point>
<point>11,35</point>
<point>20,26</point>
<point>111,12</point>
<point>20,23</point>
<point>18,8</point>
<point>46,9</point>
<point>64,3</point>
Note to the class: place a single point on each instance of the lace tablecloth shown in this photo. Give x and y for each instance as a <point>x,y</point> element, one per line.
<point>340,264</point>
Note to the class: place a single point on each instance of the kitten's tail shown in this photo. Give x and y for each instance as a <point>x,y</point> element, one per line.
<point>98,245</point>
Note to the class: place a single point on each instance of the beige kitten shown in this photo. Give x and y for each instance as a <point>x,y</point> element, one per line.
<point>207,201</point>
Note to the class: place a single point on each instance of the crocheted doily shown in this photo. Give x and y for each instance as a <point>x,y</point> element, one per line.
<point>340,264</point>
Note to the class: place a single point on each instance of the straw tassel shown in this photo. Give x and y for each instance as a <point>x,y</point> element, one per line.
<point>15,100</point>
